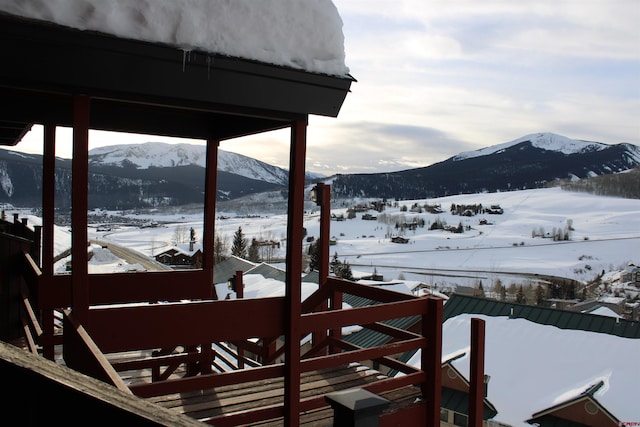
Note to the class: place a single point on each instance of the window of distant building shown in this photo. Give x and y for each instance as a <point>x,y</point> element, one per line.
<point>460,419</point>
<point>444,415</point>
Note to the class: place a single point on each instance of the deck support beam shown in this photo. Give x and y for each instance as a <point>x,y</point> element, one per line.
<point>208,238</point>
<point>324,199</point>
<point>432,360</point>
<point>476,386</point>
<point>48,219</point>
<point>80,203</point>
<point>293,305</point>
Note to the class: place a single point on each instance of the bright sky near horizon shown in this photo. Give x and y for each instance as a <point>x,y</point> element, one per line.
<point>435,78</point>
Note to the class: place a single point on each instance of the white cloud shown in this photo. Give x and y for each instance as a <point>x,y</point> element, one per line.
<point>438,77</point>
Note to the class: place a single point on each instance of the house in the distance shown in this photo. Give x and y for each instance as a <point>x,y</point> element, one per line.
<point>183,255</point>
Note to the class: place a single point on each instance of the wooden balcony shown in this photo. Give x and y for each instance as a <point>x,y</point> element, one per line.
<point>167,352</point>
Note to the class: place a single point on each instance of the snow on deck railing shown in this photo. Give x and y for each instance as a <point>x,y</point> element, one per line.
<point>300,34</point>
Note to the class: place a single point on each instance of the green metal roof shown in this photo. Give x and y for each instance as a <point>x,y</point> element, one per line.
<point>312,277</point>
<point>227,268</point>
<point>268,272</point>
<point>367,338</point>
<point>563,319</point>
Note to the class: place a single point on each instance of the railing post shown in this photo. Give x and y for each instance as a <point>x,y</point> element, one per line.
<point>239,295</point>
<point>293,305</point>
<point>432,360</point>
<point>324,200</point>
<point>476,388</point>
<point>80,202</point>
<point>356,407</point>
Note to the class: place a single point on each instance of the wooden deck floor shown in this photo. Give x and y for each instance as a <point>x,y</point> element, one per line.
<point>230,399</point>
<point>227,400</point>
<point>236,398</point>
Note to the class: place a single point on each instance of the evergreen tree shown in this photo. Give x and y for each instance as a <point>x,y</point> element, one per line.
<point>481,290</point>
<point>345,272</point>
<point>314,256</point>
<point>340,269</point>
<point>239,246</point>
<point>334,265</point>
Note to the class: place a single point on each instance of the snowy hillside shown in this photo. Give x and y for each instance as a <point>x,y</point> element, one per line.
<point>159,154</point>
<point>545,141</point>
<point>603,234</point>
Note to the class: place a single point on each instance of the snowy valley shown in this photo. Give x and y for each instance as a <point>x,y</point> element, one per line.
<point>517,241</point>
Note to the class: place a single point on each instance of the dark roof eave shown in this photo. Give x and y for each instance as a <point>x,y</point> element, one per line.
<point>54,60</point>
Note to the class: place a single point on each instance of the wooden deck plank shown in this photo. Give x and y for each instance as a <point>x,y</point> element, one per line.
<point>237,398</point>
<point>250,400</point>
<point>250,387</point>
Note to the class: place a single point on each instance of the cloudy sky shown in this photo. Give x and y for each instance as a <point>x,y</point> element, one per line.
<point>438,77</point>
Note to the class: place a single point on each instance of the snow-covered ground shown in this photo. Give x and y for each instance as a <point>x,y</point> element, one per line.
<point>534,367</point>
<point>605,236</point>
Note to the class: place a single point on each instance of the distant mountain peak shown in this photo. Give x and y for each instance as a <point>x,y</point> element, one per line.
<point>149,154</point>
<point>163,155</point>
<point>543,140</point>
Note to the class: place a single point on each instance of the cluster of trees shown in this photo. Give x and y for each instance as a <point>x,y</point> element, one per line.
<point>557,233</point>
<point>530,293</point>
<point>466,210</point>
<point>618,184</point>
<point>340,268</point>
<point>254,251</point>
<point>440,224</point>
<point>336,267</point>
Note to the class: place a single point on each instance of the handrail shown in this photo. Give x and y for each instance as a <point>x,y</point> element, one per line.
<point>176,321</point>
<point>30,325</point>
<point>82,354</point>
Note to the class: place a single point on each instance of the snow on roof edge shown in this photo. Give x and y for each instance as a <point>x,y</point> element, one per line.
<point>302,35</point>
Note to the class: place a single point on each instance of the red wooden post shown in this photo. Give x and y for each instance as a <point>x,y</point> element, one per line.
<point>208,238</point>
<point>325,226</point>
<point>239,295</point>
<point>239,284</point>
<point>324,200</point>
<point>209,226</point>
<point>476,386</point>
<point>48,219</point>
<point>432,360</point>
<point>293,305</point>
<point>80,203</point>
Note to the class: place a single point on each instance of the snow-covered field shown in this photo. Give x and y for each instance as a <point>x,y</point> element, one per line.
<point>605,236</point>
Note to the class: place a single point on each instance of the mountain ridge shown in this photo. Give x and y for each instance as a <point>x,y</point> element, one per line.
<point>531,161</point>
<point>160,174</point>
<point>544,140</point>
<point>161,154</point>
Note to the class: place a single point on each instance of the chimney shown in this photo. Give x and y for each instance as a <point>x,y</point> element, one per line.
<point>486,385</point>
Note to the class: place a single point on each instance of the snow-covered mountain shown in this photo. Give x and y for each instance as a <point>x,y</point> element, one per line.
<point>545,141</point>
<point>163,155</point>
<point>531,161</point>
<point>158,174</point>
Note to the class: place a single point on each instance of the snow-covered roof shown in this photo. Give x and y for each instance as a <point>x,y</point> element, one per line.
<point>258,286</point>
<point>604,311</point>
<point>534,367</point>
<point>300,34</point>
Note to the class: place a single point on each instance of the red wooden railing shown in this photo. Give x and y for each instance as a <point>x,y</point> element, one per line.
<point>156,326</point>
